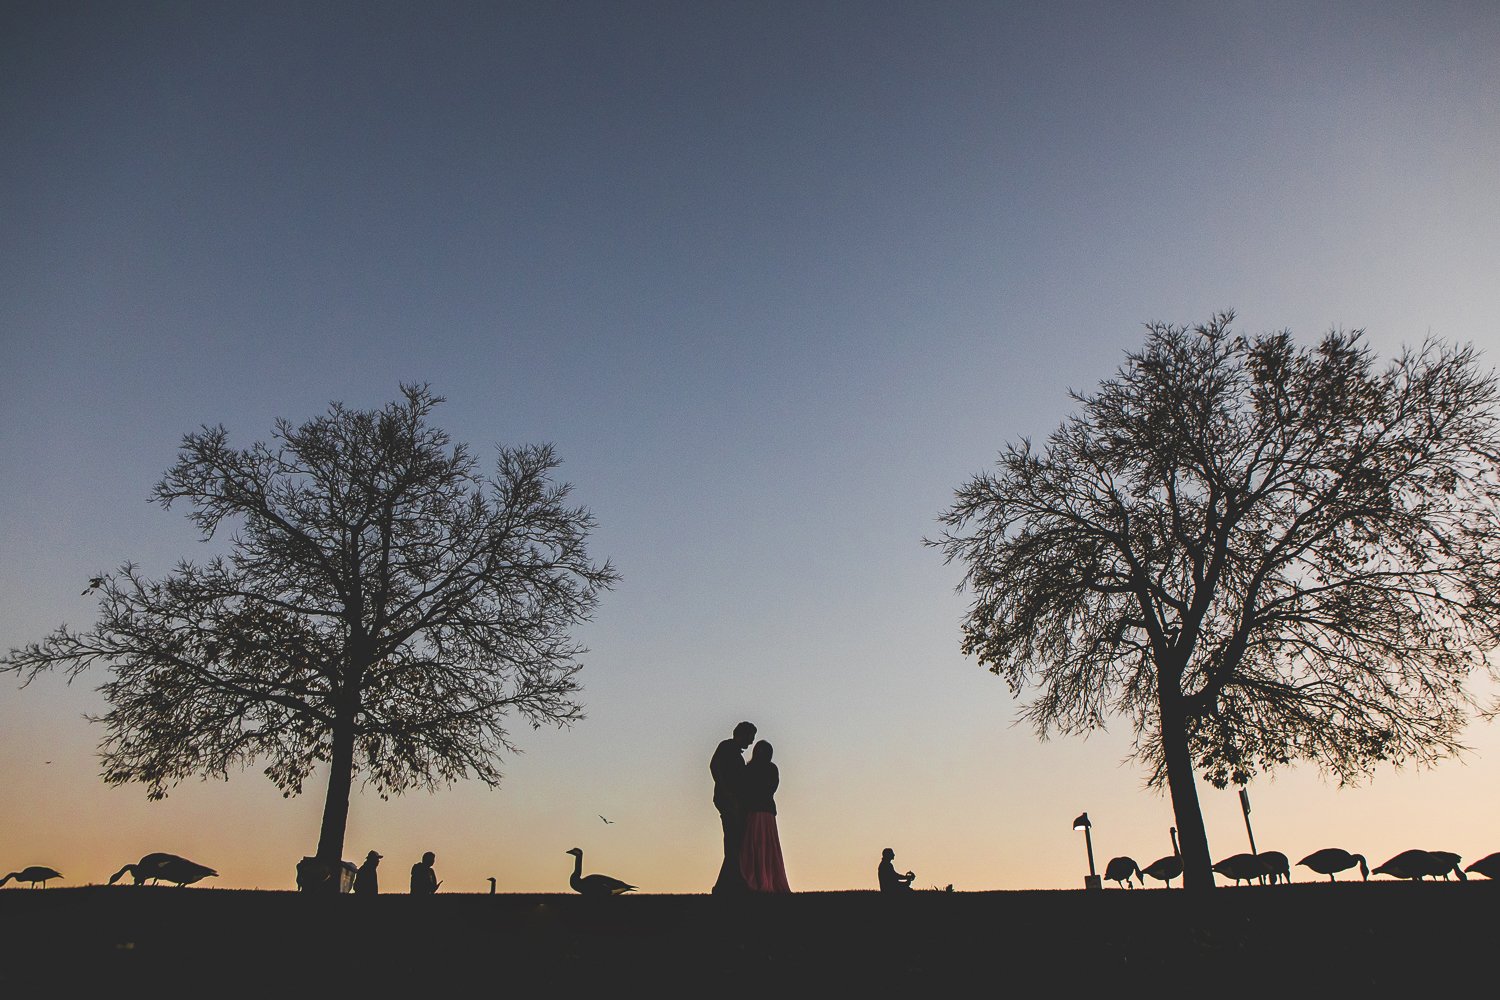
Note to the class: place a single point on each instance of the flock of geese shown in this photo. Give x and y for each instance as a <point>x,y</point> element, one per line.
<point>1273,866</point>
<point>1267,865</point>
<point>159,867</point>
<point>153,868</point>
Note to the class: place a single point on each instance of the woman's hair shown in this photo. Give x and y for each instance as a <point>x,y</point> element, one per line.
<point>762,751</point>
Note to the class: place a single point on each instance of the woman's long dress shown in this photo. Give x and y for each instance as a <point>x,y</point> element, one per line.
<point>760,853</point>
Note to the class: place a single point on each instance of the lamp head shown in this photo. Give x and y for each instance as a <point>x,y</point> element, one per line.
<point>1082,822</point>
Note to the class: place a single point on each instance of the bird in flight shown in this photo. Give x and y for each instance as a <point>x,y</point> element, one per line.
<point>94,584</point>
<point>609,821</point>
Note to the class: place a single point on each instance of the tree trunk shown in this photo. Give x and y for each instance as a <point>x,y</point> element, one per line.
<point>1197,866</point>
<point>340,779</point>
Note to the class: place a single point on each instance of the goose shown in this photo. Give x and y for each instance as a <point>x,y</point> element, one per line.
<point>1120,869</point>
<point>1275,865</point>
<point>1415,864</point>
<point>1335,859</point>
<point>1167,868</point>
<point>1443,862</point>
<point>33,874</point>
<point>1411,864</point>
<point>1241,868</point>
<point>1488,866</point>
<point>593,885</point>
<point>167,867</point>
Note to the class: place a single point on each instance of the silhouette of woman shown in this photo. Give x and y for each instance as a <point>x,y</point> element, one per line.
<point>761,863</point>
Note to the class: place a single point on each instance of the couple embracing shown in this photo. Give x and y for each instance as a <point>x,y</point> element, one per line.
<point>745,795</point>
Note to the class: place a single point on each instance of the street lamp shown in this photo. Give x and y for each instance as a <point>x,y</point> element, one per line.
<point>1082,823</point>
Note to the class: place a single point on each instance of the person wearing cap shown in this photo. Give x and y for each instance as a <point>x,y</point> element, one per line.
<point>366,882</point>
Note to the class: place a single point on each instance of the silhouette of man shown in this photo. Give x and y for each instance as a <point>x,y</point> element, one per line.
<point>728,769</point>
<point>423,879</point>
<point>366,882</point>
<point>890,881</point>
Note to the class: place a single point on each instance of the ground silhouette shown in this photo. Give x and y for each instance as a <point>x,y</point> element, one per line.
<point>927,943</point>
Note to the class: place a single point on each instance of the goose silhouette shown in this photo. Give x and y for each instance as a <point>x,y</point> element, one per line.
<point>1488,866</point>
<point>1167,868</point>
<point>1120,869</point>
<point>166,868</point>
<point>1418,864</point>
<point>1408,864</point>
<point>593,885</point>
<point>1335,859</point>
<point>1241,868</point>
<point>1443,862</point>
<point>1275,866</point>
<point>33,874</point>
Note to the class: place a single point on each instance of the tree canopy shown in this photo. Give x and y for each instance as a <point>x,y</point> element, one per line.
<point>384,608</point>
<point>1255,552</point>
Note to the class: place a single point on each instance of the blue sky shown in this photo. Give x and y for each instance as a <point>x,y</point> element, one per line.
<point>775,279</point>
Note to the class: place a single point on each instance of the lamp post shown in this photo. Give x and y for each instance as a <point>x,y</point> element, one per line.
<point>1082,823</point>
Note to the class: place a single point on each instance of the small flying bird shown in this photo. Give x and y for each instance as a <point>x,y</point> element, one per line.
<point>609,821</point>
<point>593,885</point>
<point>94,584</point>
<point>33,874</point>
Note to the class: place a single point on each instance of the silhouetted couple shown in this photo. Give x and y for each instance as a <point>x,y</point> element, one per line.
<point>745,795</point>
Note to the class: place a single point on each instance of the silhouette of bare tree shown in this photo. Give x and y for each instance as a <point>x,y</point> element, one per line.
<point>1255,552</point>
<point>384,608</point>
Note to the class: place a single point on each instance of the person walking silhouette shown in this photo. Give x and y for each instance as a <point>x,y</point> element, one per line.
<point>761,863</point>
<point>423,879</point>
<point>366,881</point>
<point>728,769</point>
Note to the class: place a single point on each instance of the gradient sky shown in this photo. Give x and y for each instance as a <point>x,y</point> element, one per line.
<point>775,278</point>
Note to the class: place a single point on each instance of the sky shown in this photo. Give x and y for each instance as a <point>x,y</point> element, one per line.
<point>775,279</point>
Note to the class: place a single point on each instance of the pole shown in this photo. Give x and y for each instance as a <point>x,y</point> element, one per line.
<point>1245,805</point>
<point>1088,842</point>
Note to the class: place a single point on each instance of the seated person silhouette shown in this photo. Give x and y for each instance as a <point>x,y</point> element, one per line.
<point>890,881</point>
